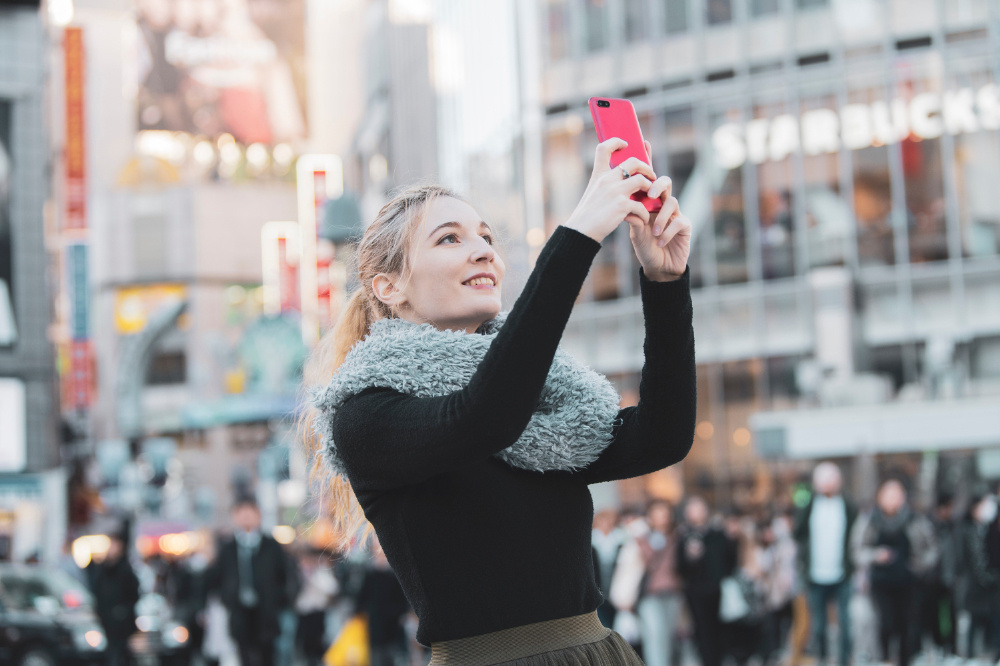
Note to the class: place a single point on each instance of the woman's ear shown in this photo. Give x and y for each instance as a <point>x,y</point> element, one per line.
<point>386,291</point>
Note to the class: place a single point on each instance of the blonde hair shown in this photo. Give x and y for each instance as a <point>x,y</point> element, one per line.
<point>384,248</point>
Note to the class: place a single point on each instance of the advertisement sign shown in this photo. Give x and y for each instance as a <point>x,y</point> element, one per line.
<point>215,67</point>
<point>281,249</point>
<point>8,329</point>
<point>13,453</point>
<point>79,384</point>
<point>319,178</point>
<point>76,276</point>
<point>135,305</point>
<point>76,156</point>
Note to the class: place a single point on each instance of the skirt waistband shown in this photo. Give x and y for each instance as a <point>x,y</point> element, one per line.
<point>519,642</point>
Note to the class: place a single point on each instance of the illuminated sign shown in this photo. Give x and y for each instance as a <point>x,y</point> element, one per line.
<point>319,178</point>
<point>856,126</point>
<point>13,453</point>
<point>76,156</point>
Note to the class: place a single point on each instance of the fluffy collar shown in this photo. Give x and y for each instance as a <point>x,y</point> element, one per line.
<point>572,423</point>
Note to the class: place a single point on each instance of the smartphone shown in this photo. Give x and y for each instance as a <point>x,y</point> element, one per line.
<point>616,117</point>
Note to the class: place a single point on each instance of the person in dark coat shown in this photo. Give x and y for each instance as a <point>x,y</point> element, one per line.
<point>898,546</point>
<point>938,606</point>
<point>382,600</point>
<point>116,592</point>
<point>981,581</point>
<point>824,557</point>
<point>251,577</point>
<point>705,555</point>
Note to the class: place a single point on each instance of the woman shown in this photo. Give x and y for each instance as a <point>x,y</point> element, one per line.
<point>659,594</point>
<point>469,442</point>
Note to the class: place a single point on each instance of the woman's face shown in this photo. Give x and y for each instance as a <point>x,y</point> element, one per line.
<point>452,247</point>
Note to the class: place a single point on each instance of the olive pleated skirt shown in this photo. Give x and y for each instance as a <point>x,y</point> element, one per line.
<point>580,640</point>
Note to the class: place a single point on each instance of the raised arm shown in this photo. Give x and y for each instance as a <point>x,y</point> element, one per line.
<point>657,432</point>
<point>387,438</point>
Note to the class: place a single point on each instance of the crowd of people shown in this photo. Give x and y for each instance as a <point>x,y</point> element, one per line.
<point>822,579</point>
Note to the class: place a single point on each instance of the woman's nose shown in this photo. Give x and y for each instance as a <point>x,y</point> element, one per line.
<point>484,252</point>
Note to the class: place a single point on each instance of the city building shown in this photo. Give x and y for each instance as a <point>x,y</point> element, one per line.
<point>839,162</point>
<point>32,484</point>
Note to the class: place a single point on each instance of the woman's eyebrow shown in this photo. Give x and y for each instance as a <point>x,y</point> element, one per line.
<point>454,223</point>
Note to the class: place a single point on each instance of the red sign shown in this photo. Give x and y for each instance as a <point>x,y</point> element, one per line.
<point>76,155</point>
<point>322,258</point>
<point>78,386</point>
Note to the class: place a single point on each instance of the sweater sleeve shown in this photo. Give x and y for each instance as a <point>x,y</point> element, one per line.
<point>387,439</point>
<point>659,431</point>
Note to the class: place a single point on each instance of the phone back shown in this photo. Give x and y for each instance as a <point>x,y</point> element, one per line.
<point>618,119</point>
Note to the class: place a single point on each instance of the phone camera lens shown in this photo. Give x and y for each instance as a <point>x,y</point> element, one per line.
<point>603,103</point>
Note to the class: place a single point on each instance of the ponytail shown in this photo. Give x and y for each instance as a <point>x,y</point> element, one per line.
<point>383,249</point>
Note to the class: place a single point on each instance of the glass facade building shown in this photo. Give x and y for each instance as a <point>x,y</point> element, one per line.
<point>840,162</point>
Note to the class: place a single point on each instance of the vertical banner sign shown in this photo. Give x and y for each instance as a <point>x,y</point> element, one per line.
<point>281,255</point>
<point>76,184</point>
<point>319,178</point>
<point>78,390</point>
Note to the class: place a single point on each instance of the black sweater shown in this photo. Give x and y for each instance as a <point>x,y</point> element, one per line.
<point>479,545</point>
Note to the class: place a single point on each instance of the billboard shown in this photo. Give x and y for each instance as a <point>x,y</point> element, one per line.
<point>214,67</point>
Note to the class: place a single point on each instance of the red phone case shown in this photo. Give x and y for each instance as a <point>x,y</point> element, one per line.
<point>619,119</point>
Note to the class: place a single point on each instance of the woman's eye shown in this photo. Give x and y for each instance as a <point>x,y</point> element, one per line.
<point>489,238</point>
<point>444,238</point>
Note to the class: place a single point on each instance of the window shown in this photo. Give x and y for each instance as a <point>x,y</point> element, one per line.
<point>826,216</point>
<point>924,187</point>
<point>597,25</point>
<point>167,367</point>
<point>8,331</point>
<point>675,15</point>
<point>977,171</point>
<point>719,11</point>
<point>558,22</point>
<point>636,20</point>
<point>681,151</point>
<point>729,227</point>
<point>809,4</point>
<point>764,7</point>
<point>775,188</point>
<point>872,195</point>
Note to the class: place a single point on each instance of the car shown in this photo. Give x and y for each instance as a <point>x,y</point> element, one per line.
<point>47,618</point>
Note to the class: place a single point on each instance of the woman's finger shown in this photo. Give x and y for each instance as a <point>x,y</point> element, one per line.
<point>677,224</point>
<point>635,208</point>
<point>635,183</point>
<point>662,187</point>
<point>636,166</point>
<point>670,207</point>
<point>602,157</point>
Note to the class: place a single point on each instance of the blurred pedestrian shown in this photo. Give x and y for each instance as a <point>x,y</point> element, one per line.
<point>627,581</point>
<point>705,555</point>
<point>822,533</point>
<point>606,540</point>
<point>250,576</point>
<point>981,595</point>
<point>469,443</point>
<point>319,587</point>
<point>660,591</point>
<point>383,602</point>
<point>185,587</point>
<point>938,597</point>
<point>777,559</point>
<point>897,545</point>
<point>116,592</point>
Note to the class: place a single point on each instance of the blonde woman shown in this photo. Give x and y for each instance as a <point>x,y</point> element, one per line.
<point>468,440</point>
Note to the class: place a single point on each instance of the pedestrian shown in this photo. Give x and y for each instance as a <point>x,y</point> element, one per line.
<point>660,591</point>
<point>382,601</point>
<point>250,576</point>
<point>606,539</point>
<point>981,582</point>
<point>938,618</point>
<point>776,553</point>
<point>898,546</point>
<point>319,588</point>
<point>627,581</point>
<point>705,555</point>
<point>469,442</point>
<point>822,534</point>
<point>116,592</point>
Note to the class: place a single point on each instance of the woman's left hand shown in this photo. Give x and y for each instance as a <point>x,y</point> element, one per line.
<point>663,244</point>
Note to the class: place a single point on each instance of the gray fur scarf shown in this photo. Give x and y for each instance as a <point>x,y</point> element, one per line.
<point>572,423</point>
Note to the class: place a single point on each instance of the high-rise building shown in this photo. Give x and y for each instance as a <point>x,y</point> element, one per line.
<point>839,162</point>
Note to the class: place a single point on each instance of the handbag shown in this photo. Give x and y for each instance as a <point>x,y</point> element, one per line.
<point>733,603</point>
<point>351,646</point>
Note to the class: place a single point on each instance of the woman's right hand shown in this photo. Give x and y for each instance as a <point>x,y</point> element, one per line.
<point>607,200</point>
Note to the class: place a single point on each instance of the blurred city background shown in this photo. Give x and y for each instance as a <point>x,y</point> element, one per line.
<point>181,183</point>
